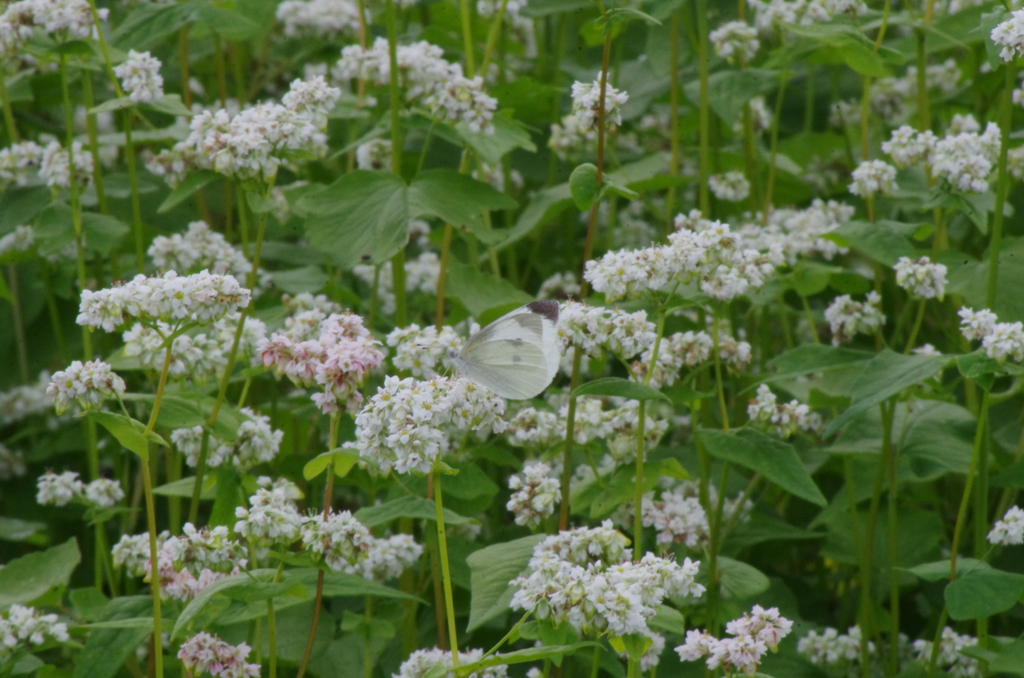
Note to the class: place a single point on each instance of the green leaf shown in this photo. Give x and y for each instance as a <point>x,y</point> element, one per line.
<point>939,570</point>
<point>15,529</point>
<point>363,217</point>
<point>884,376</point>
<point>149,23</point>
<point>669,619</point>
<point>981,593</point>
<point>730,90</point>
<point>108,648</point>
<point>5,291</point>
<point>776,460</point>
<point>186,188</point>
<point>509,134</point>
<point>186,410</point>
<point>530,654</point>
<point>310,279</point>
<point>1010,659</point>
<point>26,578</point>
<point>342,584</point>
<point>742,581</point>
<point>418,508</point>
<point>969,278</point>
<point>171,104</point>
<point>491,570</point>
<point>583,185</point>
<point>203,598</point>
<point>479,291</point>
<point>617,386</point>
<point>103,232</point>
<point>874,240</point>
<point>258,204</point>
<point>457,199</point>
<point>343,459</point>
<point>129,432</point>
<point>813,358</point>
<point>230,24</point>
<point>183,488</point>
<point>113,105</point>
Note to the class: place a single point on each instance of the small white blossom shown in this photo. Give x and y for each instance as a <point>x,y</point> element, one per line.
<point>103,492</point>
<point>1010,34</point>
<point>535,495</point>
<point>388,558</point>
<point>204,653</point>
<point>87,384</point>
<point>58,489</point>
<point>731,186</point>
<point>735,39</point>
<point>753,635</point>
<point>1009,530</point>
<point>21,239</point>
<point>55,165</point>
<point>847,317</point>
<point>340,540</point>
<point>586,104</point>
<point>871,177</point>
<point>950,660</point>
<point>422,661</point>
<point>25,629</point>
<point>787,418</point>
<point>140,77</point>
<point>921,277</point>
<point>321,18</point>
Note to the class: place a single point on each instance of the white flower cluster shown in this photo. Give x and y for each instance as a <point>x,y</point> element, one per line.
<point>950,659</point>
<point>55,165</point>
<point>617,427</point>
<point>799,232</point>
<point>966,159</point>
<point>586,104</point>
<point>403,425</point>
<point>831,649</point>
<point>419,350</point>
<point>535,429</point>
<point>583,577</point>
<point>188,563</point>
<point>204,653</point>
<point>24,628</point>
<point>1009,530</point>
<point>12,463</point>
<point>559,286</point>
<point>871,177</point>
<point>596,330</point>
<point>340,540</point>
<point>420,276</point>
<point>677,515</point>
<point>21,239</point>
<point>271,519</point>
<point>1000,340</point>
<point>203,297</point>
<point>570,137</point>
<point>707,252</point>
<point>69,19</point>
<point>535,494</point>
<point>921,277</point>
<point>337,361</point>
<point>422,661</point>
<point>731,186</point>
<point>772,13</point>
<point>753,635</point>
<point>389,557</point>
<point>907,146</point>
<point>26,400</point>
<point>252,144</point>
<point>195,357</point>
<point>140,77</point>
<point>321,18</point>
<point>847,317</point>
<point>198,248</point>
<point>257,443</point>
<point>132,552</point>
<point>735,39</point>
<point>58,489</point>
<point>760,117</point>
<point>690,349</point>
<point>375,154</point>
<point>87,384</point>
<point>18,160</point>
<point>786,418</point>
<point>1010,34</point>
<point>427,78</point>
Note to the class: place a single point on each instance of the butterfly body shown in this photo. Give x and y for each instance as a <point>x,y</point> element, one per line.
<point>517,355</point>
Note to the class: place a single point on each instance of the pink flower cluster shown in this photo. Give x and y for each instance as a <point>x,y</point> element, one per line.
<point>204,653</point>
<point>338,360</point>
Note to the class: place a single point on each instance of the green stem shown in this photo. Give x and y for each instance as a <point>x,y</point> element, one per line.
<point>442,549</point>
<point>94,146</point>
<point>588,247</point>
<point>1002,186</point>
<point>5,102</point>
<point>673,120</point>
<point>918,319</point>
<point>272,629</point>
<point>933,656</point>
<point>770,190</point>
<point>719,388</point>
<point>641,445</point>
<point>19,321</point>
<point>894,575</point>
<point>492,37</point>
<point>466,17</point>
<point>979,444</point>
<point>704,121</point>
<point>570,439</point>
<point>367,649</point>
<point>869,547</point>
<point>158,655</point>
<point>810,320</point>
<point>104,50</point>
<point>129,154</point>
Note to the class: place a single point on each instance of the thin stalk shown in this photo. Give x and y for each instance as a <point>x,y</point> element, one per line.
<point>641,445</point>
<point>979,443</point>
<point>673,120</point>
<point>704,122</point>
<point>272,629</point>
<point>864,109</point>
<point>398,261</point>
<point>770,190</point>
<point>492,37</point>
<point>51,305</point>
<point>332,438</point>
<point>19,321</point>
<point>588,247</point>
<point>719,388</point>
<point>129,154</point>
<point>186,90</point>
<point>894,575</point>
<point>5,102</point>
<point>570,439</point>
<point>1002,186</point>
<point>855,533</point>
<point>368,650</point>
<point>595,665</point>
<point>104,50</point>
<point>466,18</point>
<point>810,320</point>
<point>981,523</point>
<point>869,544</point>
<point>918,319</point>
<point>94,147</point>
<point>225,380</point>
<point>933,656</point>
<point>442,549</point>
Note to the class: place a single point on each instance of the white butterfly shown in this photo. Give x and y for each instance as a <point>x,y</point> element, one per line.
<point>517,355</point>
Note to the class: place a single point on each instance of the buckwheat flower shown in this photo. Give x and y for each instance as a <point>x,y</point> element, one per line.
<point>787,419</point>
<point>908,147</point>
<point>976,324</point>
<point>965,160</point>
<point>195,357</point>
<point>832,649</point>
<point>731,186</point>
<point>58,489</point>
<point>586,102</point>
<point>950,659</point>
<point>570,137</point>
<point>173,164</point>
<point>559,286</point>
<point>340,540</point>
<point>21,239</point>
<point>55,169</point>
<point>753,635</point>
<point>207,548</point>
<point>271,519</point>
<point>422,661</point>
<point>536,429</point>
<point>375,154</point>
<point>847,317</point>
<point>1015,162</point>
<point>1009,530</point>
<point>535,494</point>
<point>25,628</point>
<point>735,39</point>
<point>871,177</point>
<point>140,77</point>
<point>257,443</point>
<point>421,276</point>
<point>132,552</point>
<point>87,384</point>
<point>595,330</point>
<point>1010,34</point>
<point>921,277</point>
<point>421,350</point>
<point>199,248</point>
<point>760,117</point>
<point>460,99</point>
<point>765,625</point>
<point>12,463</point>
<point>204,653</point>
<point>388,558</point>
<point>321,18</point>
<point>17,162</point>
<point>103,492</point>
<point>1005,341</point>
<point>678,519</point>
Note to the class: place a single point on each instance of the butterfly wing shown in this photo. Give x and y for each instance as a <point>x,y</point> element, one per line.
<point>517,355</point>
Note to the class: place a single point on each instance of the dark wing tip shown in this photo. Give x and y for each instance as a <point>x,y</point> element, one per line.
<point>547,308</point>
